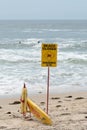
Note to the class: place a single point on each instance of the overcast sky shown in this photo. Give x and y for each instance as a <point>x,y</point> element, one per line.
<point>43,9</point>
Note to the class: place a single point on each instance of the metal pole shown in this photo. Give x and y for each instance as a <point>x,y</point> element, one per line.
<point>48,88</point>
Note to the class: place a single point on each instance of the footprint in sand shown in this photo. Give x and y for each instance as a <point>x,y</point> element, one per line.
<point>0,107</point>
<point>14,103</point>
<point>54,98</point>
<point>78,98</point>
<point>3,127</point>
<point>68,97</point>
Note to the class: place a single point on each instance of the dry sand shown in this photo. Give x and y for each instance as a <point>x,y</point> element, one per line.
<point>67,111</point>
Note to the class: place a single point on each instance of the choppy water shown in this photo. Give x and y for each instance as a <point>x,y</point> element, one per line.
<point>20,56</point>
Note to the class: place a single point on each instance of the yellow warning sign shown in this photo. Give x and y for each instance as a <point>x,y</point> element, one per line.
<point>49,55</point>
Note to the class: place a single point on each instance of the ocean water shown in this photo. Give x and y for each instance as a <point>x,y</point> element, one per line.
<point>20,56</point>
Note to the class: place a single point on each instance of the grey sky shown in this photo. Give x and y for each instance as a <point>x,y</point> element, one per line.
<point>43,9</point>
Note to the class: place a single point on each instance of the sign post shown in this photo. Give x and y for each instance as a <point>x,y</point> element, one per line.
<point>49,59</point>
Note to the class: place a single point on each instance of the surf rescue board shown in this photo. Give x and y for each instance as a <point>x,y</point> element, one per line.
<point>38,112</point>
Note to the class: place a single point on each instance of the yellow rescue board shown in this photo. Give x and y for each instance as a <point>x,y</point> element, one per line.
<point>39,113</point>
<point>24,100</point>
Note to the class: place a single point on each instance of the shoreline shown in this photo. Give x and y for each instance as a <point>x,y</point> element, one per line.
<point>68,111</point>
<point>9,96</point>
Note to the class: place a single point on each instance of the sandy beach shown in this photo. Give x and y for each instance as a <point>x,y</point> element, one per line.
<point>68,112</point>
